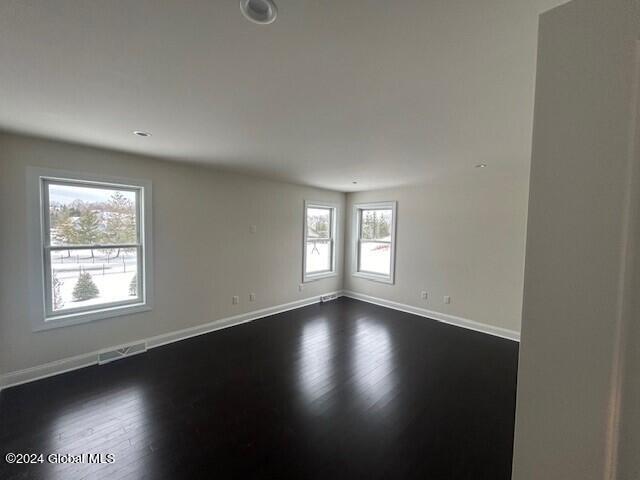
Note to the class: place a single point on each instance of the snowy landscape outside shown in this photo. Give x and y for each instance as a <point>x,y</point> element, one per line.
<point>113,276</point>
<point>85,216</point>
<point>318,254</point>
<point>375,241</point>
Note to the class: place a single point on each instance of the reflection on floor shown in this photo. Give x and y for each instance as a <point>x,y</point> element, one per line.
<point>338,390</point>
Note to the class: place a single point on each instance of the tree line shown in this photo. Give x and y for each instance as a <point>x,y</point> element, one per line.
<point>375,225</point>
<point>89,223</point>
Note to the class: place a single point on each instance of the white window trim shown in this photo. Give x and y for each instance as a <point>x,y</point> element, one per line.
<point>36,259</point>
<point>355,256</point>
<point>311,277</point>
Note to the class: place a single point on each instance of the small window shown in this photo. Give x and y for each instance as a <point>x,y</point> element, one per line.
<point>319,249</point>
<point>94,249</point>
<point>374,248</point>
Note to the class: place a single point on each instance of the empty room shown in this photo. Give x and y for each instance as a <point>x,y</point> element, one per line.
<point>337,239</point>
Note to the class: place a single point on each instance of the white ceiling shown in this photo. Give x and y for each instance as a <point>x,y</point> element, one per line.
<point>383,92</point>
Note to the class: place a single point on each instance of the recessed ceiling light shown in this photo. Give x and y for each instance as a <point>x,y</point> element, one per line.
<point>262,12</point>
<point>141,133</point>
<point>481,165</point>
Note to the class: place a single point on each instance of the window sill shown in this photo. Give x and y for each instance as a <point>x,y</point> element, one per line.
<point>374,278</point>
<point>319,276</point>
<point>86,317</point>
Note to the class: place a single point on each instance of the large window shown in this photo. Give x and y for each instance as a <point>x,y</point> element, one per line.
<point>319,249</point>
<point>93,248</point>
<point>374,246</point>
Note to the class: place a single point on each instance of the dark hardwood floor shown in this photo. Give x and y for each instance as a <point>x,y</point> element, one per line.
<point>338,390</point>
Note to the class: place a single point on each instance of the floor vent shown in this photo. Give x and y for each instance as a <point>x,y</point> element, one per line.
<point>328,298</point>
<point>121,352</point>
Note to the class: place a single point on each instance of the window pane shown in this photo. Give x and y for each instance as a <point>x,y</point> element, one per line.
<point>81,215</point>
<point>376,224</point>
<point>375,257</point>
<point>318,223</point>
<point>318,256</point>
<point>80,278</point>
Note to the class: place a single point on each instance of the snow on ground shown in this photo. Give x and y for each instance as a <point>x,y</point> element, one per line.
<point>318,257</point>
<point>112,278</point>
<point>375,258</point>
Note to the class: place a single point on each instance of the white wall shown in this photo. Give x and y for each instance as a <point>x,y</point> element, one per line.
<point>462,237</point>
<point>629,441</point>
<point>574,307</point>
<point>204,252</point>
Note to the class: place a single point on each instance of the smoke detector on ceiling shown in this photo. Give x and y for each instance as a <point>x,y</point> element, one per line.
<point>262,12</point>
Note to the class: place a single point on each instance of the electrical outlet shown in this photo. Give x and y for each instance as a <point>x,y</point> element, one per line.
<point>252,297</point>
<point>253,228</point>
<point>424,295</point>
<point>235,300</point>
<point>300,287</point>
<point>447,299</point>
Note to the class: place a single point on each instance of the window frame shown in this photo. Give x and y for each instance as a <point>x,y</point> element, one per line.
<point>311,277</point>
<point>356,222</point>
<point>43,317</point>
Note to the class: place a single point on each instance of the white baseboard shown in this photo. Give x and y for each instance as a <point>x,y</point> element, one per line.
<point>57,367</point>
<point>441,317</point>
<point>80,361</point>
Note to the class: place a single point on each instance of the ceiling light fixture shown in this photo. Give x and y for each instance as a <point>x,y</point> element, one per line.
<point>262,12</point>
<point>481,165</point>
<point>141,133</point>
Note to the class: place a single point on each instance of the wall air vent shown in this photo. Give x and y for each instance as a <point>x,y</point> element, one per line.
<point>328,298</point>
<point>121,352</point>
